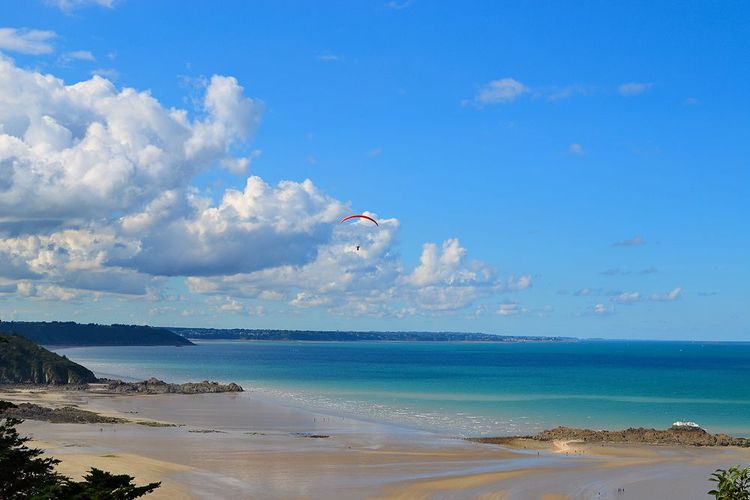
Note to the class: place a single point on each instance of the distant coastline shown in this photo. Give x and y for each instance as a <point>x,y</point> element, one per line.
<point>353,336</point>
<point>71,334</point>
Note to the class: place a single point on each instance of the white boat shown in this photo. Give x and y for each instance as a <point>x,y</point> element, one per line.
<point>691,425</point>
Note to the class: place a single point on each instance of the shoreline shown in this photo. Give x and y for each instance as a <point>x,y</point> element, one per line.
<point>244,444</point>
<point>493,409</point>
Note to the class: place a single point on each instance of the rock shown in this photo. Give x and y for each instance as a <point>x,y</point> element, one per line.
<point>156,386</point>
<point>66,414</point>
<point>692,436</point>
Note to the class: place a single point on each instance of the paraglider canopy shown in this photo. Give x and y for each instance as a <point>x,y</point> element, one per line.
<point>358,216</point>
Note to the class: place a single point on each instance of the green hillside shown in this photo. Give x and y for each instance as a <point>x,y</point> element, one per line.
<point>76,334</point>
<point>24,362</point>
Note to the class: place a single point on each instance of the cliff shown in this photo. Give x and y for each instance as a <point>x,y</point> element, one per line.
<point>24,362</point>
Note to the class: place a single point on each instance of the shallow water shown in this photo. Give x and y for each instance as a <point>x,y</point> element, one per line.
<point>469,388</point>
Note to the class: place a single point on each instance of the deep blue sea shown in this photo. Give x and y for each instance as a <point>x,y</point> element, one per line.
<point>469,388</point>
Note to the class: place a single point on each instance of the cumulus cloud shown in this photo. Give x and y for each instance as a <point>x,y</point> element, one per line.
<point>26,41</point>
<point>670,296</point>
<point>370,281</point>
<point>96,196</point>
<point>87,149</point>
<point>633,88</point>
<point>257,228</point>
<point>501,91</point>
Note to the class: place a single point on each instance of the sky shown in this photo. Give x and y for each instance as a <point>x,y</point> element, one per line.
<point>542,168</point>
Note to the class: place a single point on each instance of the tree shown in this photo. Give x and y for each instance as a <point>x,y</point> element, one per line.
<point>732,483</point>
<point>102,485</point>
<point>25,474</point>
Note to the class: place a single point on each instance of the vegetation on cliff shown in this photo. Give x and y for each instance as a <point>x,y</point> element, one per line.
<point>76,334</point>
<point>24,362</point>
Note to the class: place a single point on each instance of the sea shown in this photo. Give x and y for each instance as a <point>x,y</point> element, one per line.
<point>468,389</point>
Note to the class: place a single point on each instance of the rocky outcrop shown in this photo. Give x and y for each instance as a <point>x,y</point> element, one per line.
<point>685,436</point>
<point>156,386</point>
<point>64,415</point>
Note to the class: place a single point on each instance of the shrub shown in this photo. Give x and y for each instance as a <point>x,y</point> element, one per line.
<point>732,483</point>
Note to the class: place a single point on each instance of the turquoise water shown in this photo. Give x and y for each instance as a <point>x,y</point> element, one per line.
<point>470,388</point>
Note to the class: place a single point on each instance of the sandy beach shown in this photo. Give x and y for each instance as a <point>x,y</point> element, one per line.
<point>243,445</point>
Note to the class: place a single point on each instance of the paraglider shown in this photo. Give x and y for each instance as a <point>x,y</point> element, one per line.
<point>359,216</point>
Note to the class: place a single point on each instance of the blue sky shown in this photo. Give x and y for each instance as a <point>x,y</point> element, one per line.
<point>581,168</point>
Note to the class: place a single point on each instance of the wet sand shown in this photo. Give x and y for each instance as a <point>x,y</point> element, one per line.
<point>243,445</point>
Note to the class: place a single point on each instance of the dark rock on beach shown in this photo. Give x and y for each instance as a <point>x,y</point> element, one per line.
<point>156,386</point>
<point>64,415</point>
<point>683,436</point>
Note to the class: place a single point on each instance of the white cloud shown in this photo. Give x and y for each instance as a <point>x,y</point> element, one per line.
<point>627,297</point>
<point>557,94</point>
<point>510,309</point>
<point>633,88</point>
<point>108,73</point>
<point>328,57</point>
<point>670,296</point>
<point>88,149</point>
<point>77,55</point>
<point>575,149</point>
<point>46,292</point>
<point>25,41</point>
<point>501,91</point>
<point>602,310</point>
<point>635,241</point>
<point>68,5</point>
<point>514,284</point>
<point>691,101</point>
<point>257,228</point>
<point>96,196</point>
<point>370,281</point>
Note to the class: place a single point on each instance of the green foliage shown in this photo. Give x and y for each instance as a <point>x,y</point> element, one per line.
<point>24,362</point>
<point>24,474</point>
<point>102,485</point>
<point>75,334</point>
<point>731,484</point>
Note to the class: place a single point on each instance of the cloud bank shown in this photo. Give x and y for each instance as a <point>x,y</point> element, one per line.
<point>97,196</point>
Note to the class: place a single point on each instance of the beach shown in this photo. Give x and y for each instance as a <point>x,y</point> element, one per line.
<point>247,445</point>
